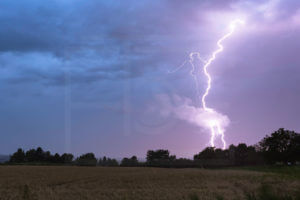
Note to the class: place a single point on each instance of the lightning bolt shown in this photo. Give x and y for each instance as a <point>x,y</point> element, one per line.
<point>215,124</point>
<point>213,57</point>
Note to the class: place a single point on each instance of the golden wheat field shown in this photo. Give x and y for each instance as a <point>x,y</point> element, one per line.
<point>69,183</point>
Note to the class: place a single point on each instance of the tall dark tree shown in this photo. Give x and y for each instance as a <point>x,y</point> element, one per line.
<point>56,158</point>
<point>18,157</point>
<point>207,153</point>
<point>39,155</point>
<point>67,158</point>
<point>30,155</point>
<point>281,146</point>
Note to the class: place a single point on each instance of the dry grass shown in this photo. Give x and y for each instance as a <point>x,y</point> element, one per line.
<point>69,183</point>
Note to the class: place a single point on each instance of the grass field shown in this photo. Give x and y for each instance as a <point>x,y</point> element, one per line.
<point>68,183</point>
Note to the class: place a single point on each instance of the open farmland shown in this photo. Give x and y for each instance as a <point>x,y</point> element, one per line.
<point>54,182</point>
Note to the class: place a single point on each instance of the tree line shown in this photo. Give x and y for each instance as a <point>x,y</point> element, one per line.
<point>282,146</point>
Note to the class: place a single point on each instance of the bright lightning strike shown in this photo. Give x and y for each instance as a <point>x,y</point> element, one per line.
<point>215,125</point>
<point>213,57</point>
<point>213,121</point>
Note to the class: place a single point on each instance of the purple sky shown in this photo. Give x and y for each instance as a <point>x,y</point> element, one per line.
<point>91,76</point>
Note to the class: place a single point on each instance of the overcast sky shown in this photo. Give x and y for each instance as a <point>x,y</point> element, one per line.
<point>92,76</point>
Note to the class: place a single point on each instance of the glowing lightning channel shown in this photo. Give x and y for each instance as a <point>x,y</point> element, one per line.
<point>213,57</point>
<point>215,123</point>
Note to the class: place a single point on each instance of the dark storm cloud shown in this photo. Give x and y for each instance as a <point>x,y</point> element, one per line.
<point>29,26</point>
<point>134,35</point>
<point>99,40</point>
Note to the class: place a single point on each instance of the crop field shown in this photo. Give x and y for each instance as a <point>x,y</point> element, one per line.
<point>70,182</point>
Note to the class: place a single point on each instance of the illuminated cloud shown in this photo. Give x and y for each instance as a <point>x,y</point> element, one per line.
<point>199,116</point>
<point>183,109</point>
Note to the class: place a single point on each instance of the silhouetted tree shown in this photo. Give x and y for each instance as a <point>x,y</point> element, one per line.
<point>39,155</point>
<point>244,155</point>
<point>87,159</point>
<point>130,162</point>
<point>112,162</point>
<point>207,153</point>
<point>282,146</point>
<point>212,157</point>
<point>18,157</point>
<point>67,158</point>
<point>56,158</point>
<point>160,157</point>
<point>30,155</point>
<point>221,154</point>
<point>160,154</point>
<point>108,162</point>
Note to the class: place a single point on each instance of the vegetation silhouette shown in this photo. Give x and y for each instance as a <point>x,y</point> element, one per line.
<point>281,147</point>
<point>130,162</point>
<point>87,159</point>
<point>107,162</point>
